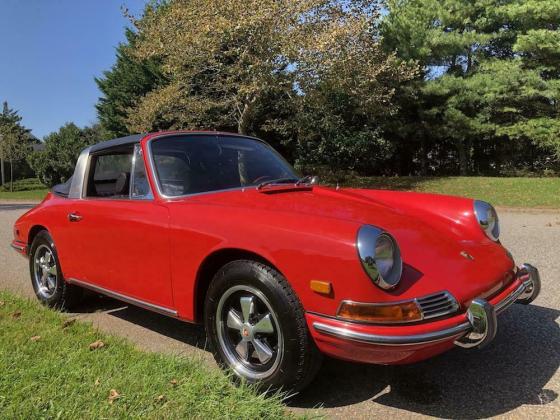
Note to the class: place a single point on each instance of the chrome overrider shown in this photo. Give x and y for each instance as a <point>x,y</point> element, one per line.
<point>478,330</point>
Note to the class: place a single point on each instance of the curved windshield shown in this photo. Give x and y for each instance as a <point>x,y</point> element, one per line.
<point>190,164</point>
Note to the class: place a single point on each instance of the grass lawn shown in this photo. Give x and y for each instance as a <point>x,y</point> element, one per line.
<point>47,370</point>
<point>24,189</point>
<point>507,192</point>
<point>35,195</point>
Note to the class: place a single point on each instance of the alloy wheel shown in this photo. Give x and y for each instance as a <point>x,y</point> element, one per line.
<point>249,332</point>
<point>45,272</point>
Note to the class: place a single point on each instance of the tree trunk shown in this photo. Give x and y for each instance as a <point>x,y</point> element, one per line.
<point>3,173</point>
<point>246,117</point>
<point>405,160</point>
<point>423,156</point>
<point>462,157</point>
<point>11,176</point>
<point>500,155</point>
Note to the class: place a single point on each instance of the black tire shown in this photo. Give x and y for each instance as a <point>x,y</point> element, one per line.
<point>299,358</point>
<point>59,294</point>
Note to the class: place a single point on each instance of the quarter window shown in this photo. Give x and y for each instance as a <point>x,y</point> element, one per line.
<point>140,187</point>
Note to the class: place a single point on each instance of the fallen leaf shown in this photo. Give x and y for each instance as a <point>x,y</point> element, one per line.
<point>113,395</point>
<point>173,382</point>
<point>68,323</point>
<point>16,314</point>
<point>97,382</point>
<point>35,338</point>
<point>96,345</point>
<point>1,303</point>
<point>549,224</point>
<point>160,398</point>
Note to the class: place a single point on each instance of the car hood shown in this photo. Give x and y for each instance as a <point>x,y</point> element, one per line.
<point>394,212</point>
<point>438,235</point>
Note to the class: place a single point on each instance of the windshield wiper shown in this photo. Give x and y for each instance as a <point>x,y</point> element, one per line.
<point>276,181</point>
<point>307,179</point>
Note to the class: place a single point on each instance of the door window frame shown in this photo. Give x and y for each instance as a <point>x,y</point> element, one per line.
<point>138,159</point>
<point>90,168</point>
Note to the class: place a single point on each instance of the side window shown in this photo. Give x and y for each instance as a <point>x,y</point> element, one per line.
<point>140,187</point>
<point>110,175</point>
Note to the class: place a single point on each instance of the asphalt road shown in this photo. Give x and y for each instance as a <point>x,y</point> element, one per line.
<point>515,376</point>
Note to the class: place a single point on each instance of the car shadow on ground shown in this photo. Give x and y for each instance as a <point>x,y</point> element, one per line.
<point>190,334</point>
<point>512,371</point>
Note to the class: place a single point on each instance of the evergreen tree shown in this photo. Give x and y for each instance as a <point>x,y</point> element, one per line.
<point>124,85</point>
<point>490,82</point>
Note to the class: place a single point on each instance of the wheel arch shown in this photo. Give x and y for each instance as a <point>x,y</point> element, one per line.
<point>210,266</point>
<point>35,229</point>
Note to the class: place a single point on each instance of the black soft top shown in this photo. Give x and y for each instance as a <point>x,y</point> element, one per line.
<point>121,141</point>
<point>63,189</point>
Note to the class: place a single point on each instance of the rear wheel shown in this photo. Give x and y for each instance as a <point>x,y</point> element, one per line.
<point>256,327</point>
<point>46,275</point>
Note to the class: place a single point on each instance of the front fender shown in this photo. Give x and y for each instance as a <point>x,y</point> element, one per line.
<point>302,248</point>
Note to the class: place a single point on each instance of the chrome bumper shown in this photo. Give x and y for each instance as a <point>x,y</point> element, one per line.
<point>19,247</point>
<point>479,329</point>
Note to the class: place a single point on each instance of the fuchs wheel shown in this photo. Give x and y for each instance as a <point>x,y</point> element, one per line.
<point>256,327</point>
<point>46,275</point>
<point>248,332</point>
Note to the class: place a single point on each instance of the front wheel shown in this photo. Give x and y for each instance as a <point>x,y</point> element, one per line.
<point>256,327</point>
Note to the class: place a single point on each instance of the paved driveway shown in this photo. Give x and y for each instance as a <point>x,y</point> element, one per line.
<point>516,376</point>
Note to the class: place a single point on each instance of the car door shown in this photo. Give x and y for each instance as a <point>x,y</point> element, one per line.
<point>121,230</point>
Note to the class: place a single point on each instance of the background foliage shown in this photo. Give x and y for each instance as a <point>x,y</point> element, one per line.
<point>489,91</point>
<point>372,87</point>
<point>55,164</point>
<point>429,87</point>
<point>16,142</point>
<point>311,77</point>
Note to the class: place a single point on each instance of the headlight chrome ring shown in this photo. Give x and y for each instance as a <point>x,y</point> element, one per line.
<point>380,256</point>
<point>487,219</point>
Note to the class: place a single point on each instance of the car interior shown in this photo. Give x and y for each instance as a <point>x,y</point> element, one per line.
<point>109,174</point>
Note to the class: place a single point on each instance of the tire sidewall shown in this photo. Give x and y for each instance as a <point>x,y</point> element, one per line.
<point>243,273</point>
<point>44,238</point>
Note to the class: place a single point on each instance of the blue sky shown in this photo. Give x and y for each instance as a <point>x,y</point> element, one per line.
<point>50,52</point>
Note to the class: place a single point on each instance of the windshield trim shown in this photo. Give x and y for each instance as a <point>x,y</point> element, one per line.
<point>208,134</point>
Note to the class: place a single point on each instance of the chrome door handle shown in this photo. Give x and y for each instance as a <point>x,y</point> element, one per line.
<point>74,217</point>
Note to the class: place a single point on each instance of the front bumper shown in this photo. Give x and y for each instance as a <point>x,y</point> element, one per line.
<point>478,328</point>
<point>20,247</point>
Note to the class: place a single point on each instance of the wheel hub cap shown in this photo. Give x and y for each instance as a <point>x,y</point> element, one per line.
<point>248,332</point>
<point>46,271</point>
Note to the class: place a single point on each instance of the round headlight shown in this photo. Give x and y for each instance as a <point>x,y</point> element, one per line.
<point>487,219</point>
<point>380,256</point>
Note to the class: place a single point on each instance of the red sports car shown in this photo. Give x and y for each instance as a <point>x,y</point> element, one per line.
<point>218,228</point>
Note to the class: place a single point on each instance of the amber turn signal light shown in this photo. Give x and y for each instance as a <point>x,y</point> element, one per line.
<point>380,313</point>
<point>323,287</point>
